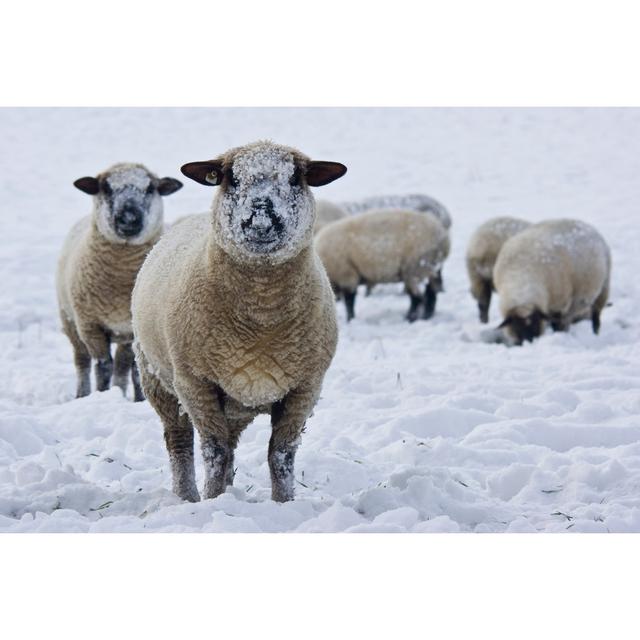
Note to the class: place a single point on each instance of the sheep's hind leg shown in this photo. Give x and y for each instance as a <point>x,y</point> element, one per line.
<point>178,437</point>
<point>287,420</point>
<point>238,418</point>
<point>99,346</point>
<point>138,393</point>
<point>124,361</point>
<point>484,301</point>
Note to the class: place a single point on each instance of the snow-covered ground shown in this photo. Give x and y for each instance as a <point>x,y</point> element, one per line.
<point>420,427</point>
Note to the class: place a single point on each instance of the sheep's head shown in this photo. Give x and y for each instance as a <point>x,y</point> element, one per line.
<point>128,204</point>
<point>264,210</point>
<point>524,324</point>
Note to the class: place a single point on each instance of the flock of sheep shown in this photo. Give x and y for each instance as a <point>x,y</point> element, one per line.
<point>232,313</point>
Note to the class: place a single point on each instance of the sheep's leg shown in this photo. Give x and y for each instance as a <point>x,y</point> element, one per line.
<point>138,394</point>
<point>598,305</point>
<point>124,361</point>
<point>416,301</point>
<point>178,437</point>
<point>81,358</point>
<point>287,421</point>
<point>238,418</point>
<point>349,303</point>
<point>99,347</point>
<point>484,300</point>
<point>430,296</point>
<point>204,402</point>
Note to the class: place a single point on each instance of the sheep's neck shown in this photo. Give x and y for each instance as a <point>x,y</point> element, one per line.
<point>264,293</point>
<point>122,257</point>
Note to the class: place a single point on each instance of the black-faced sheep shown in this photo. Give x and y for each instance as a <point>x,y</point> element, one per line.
<point>482,252</point>
<point>234,315</point>
<point>554,272</point>
<point>100,259</point>
<point>386,246</point>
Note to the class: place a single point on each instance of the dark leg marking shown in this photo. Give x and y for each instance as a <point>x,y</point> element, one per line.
<point>430,296</point>
<point>595,321</point>
<point>124,360</point>
<point>416,301</point>
<point>104,369</point>
<point>485,301</point>
<point>349,302</point>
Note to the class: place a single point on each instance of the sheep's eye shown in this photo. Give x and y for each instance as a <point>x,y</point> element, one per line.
<point>106,188</point>
<point>151,188</point>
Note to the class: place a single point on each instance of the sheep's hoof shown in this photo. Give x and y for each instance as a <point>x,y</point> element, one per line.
<point>412,317</point>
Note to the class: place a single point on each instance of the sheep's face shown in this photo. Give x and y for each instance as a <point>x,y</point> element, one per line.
<point>264,210</point>
<point>128,204</point>
<point>524,325</point>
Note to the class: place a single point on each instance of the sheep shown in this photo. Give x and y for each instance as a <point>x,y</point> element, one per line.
<point>234,315</point>
<point>390,245</point>
<point>555,272</point>
<point>97,268</point>
<point>482,252</point>
<point>412,202</point>
<point>326,212</point>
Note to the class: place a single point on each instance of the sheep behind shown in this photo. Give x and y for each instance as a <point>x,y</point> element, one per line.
<point>556,272</point>
<point>97,268</point>
<point>482,252</point>
<point>386,246</point>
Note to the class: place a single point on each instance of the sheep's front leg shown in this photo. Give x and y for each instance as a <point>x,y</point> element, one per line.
<point>99,346</point>
<point>204,402</point>
<point>287,421</point>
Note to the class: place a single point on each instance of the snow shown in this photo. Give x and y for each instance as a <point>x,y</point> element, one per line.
<point>421,427</point>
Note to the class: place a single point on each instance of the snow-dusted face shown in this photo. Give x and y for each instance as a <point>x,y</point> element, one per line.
<point>128,204</point>
<point>264,210</point>
<point>524,326</point>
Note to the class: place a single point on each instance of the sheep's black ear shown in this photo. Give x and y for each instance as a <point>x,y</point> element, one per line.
<point>320,173</point>
<point>208,173</point>
<point>167,186</point>
<point>88,185</point>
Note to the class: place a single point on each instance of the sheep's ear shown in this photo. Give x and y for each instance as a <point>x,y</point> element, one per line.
<point>320,173</point>
<point>88,185</point>
<point>505,323</point>
<point>167,186</point>
<point>208,173</point>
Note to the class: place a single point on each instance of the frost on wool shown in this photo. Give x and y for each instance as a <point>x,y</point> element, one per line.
<point>264,172</point>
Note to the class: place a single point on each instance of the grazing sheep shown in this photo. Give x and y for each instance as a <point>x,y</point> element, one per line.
<point>482,252</point>
<point>556,271</point>
<point>410,202</point>
<point>234,316</point>
<point>326,212</point>
<point>97,269</point>
<point>391,245</point>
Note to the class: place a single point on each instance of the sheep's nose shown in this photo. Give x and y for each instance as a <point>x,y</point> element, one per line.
<point>129,220</point>
<point>264,205</point>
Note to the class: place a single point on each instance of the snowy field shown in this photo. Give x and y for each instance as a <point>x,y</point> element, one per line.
<point>420,427</point>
